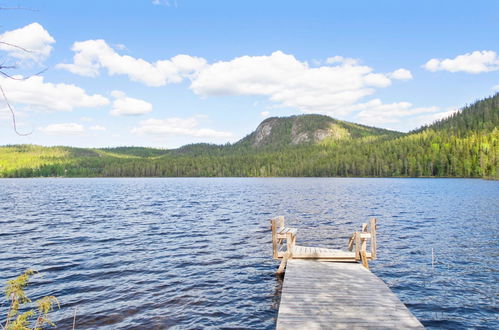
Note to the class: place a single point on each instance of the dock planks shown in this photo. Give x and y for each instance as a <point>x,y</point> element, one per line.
<point>338,295</point>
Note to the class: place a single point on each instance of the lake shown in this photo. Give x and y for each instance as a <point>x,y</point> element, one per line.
<point>196,252</point>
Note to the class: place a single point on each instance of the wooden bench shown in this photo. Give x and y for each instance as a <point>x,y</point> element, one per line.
<point>281,234</point>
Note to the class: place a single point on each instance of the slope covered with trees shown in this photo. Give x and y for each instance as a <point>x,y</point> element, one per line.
<point>463,145</point>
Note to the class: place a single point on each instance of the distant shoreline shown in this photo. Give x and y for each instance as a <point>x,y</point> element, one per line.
<point>250,177</point>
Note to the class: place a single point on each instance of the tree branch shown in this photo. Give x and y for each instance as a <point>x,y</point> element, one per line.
<point>13,114</point>
<point>15,46</point>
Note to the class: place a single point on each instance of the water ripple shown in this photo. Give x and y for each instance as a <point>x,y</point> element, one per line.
<point>195,253</point>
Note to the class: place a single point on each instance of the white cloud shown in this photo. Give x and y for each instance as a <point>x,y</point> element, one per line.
<point>398,115</point>
<point>86,119</point>
<point>290,83</point>
<point>63,129</point>
<point>178,126</point>
<point>5,114</point>
<point>287,82</point>
<point>33,38</point>
<point>165,3</point>
<point>97,128</point>
<point>495,88</point>
<point>265,113</point>
<point>377,112</point>
<point>401,74</point>
<point>127,106</point>
<point>342,60</point>
<point>35,92</point>
<point>120,46</point>
<point>93,55</point>
<point>431,118</point>
<point>475,62</point>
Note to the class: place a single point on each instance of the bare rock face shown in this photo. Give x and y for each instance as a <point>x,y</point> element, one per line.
<point>299,136</point>
<point>296,130</point>
<point>321,134</point>
<point>263,131</point>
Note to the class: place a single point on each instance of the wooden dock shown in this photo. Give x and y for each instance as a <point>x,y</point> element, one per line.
<point>339,295</point>
<point>334,289</point>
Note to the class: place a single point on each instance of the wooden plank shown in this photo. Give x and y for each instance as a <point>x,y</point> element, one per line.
<point>357,246</point>
<point>285,230</point>
<point>373,238</point>
<point>301,252</point>
<point>363,258</point>
<point>327,295</point>
<point>275,247</point>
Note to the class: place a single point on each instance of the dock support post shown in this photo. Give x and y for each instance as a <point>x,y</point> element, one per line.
<point>373,238</point>
<point>284,261</point>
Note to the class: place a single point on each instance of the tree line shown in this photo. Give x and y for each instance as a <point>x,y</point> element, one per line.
<point>464,145</point>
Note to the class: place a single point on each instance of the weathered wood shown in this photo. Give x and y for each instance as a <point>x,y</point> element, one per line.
<point>281,234</point>
<point>330,295</point>
<point>351,242</point>
<point>357,246</point>
<point>275,243</point>
<point>284,261</point>
<point>304,252</point>
<point>286,234</point>
<point>363,258</point>
<point>373,238</point>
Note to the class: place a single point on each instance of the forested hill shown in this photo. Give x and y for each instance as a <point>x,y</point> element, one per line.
<point>463,145</point>
<point>276,133</point>
<point>482,116</point>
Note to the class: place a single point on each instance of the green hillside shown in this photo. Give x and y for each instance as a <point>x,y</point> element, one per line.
<point>276,133</point>
<point>464,145</point>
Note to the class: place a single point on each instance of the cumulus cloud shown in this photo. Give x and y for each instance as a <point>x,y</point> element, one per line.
<point>93,55</point>
<point>342,60</point>
<point>35,92</point>
<point>165,3</point>
<point>495,88</point>
<point>431,118</point>
<point>97,128</point>
<point>33,38</point>
<point>5,114</point>
<point>401,74</point>
<point>399,115</point>
<point>291,83</point>
<point>63,129</point>
<point>128,106</point>
<point>178,126</point>
<point>475,62</point>
<point>287,82</point>
<point>377,112</point>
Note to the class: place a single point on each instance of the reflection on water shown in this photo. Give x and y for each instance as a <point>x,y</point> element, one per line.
<point>197,252</point>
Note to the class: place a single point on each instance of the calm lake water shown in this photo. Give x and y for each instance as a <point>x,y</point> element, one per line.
<point>196,253</point>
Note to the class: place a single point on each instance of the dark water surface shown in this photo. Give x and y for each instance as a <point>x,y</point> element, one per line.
<point>196,253</point>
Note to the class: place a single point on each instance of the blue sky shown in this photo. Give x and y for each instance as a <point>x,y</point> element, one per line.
<point>167,73</point>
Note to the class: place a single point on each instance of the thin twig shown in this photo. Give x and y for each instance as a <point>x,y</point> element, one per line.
<point>16,46</point>
<point>13,114</point>
<point>22,78</point>
<point>8,312</point>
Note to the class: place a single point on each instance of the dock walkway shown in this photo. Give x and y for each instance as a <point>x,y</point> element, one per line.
<point>339,295</point>
<point>334,289</point>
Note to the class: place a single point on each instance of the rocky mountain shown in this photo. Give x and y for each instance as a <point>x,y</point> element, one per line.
<point>278,132</point>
